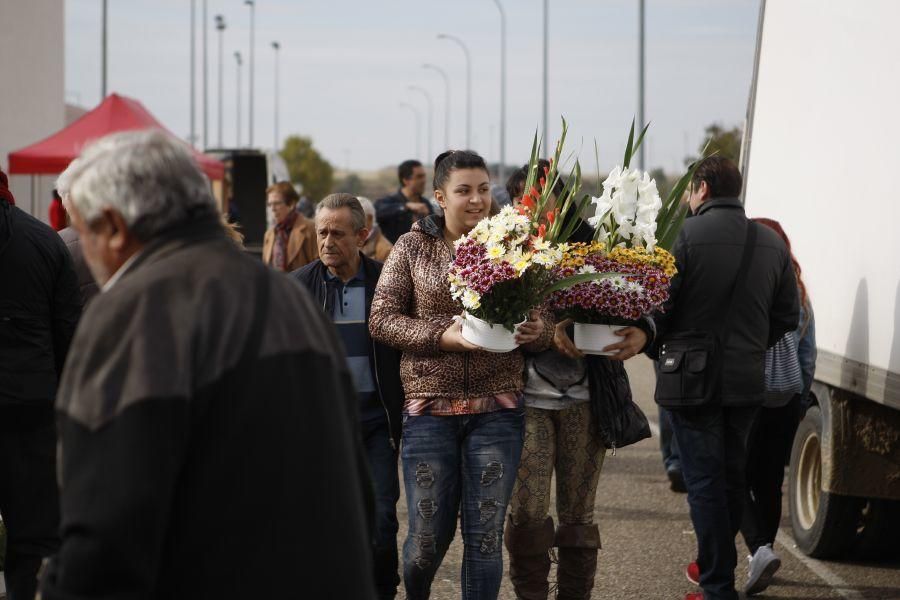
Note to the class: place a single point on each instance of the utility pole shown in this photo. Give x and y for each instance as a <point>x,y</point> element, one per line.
<point>220,27</point>
<point>237,58</point>
<point>418,117</point>
<point>443,74</point>
<point>465,49</point>
<point>193,87</point>
<point>205,80</point>
<point>501,169</point>
<point>252,5</point>
<point>640,127</point>
<point>276,46</point>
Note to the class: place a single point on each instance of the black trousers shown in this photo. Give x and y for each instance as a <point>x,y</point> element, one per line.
<point>29,498</point>
<point>768,451</point>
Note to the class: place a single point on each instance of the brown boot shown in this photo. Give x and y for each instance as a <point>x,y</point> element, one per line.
<point>529,558</point>
<point>578,546</point>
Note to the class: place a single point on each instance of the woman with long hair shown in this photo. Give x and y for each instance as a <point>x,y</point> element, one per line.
<point>463,416</point>
<point>790,366</point>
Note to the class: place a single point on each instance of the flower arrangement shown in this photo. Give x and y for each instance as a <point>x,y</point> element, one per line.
<point>640,284</point>
<point>502,268</point>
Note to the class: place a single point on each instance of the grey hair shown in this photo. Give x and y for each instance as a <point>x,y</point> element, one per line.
<point>149,177</point>
<point>348,201</point>
<point>64,181</point>
<point>368,208</point>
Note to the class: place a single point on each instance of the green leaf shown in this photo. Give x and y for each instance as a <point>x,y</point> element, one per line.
<point>629,147</point>
<point>568,282</point>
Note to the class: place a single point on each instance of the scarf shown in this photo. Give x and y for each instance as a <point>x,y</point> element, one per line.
<point>5,194</point>
<point>282,235</point>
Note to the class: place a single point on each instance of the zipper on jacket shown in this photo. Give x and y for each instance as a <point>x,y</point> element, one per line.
<point>381,398</point>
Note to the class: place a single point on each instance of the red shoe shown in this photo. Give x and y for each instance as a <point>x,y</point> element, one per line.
<point>694,596</point>
<point>692,572</point>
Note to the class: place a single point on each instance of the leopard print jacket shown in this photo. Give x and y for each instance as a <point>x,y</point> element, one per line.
<point>411,310</point>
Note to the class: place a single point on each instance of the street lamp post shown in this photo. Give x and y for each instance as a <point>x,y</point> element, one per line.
<point>237,58</point>
<point>276,46</point>
<point>418,117</point>
<point>465,49</point>
<point>546,70</point>
<point>193,59</point>
<point>424,92</point>
<point>205,80</point>
<point>252,5</point>
<point>502,168</point>
<point>103,45</point>
<point>446,102</point>
<point>641,22</point>
<point>220,27</point>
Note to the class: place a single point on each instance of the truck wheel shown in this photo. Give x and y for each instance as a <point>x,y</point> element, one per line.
<point>824,524</point>
<point>878,530</point>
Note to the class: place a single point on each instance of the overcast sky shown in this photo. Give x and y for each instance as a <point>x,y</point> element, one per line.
<point>346,66</point>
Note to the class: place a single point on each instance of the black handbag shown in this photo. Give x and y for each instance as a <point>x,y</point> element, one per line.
<point>689,370</point>
<point>620,422</point>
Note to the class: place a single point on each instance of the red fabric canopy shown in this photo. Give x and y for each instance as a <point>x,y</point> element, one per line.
<point>116,113</point>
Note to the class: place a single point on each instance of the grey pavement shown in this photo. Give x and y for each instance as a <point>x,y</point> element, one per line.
<point>648,539</point>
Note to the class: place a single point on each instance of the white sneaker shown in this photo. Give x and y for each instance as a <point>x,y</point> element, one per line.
<point>763,566</point>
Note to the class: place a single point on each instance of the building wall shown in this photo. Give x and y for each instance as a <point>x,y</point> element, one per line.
<point>32,74</point>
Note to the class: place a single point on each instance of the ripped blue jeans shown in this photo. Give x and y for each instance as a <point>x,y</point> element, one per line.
<point>466,465</point>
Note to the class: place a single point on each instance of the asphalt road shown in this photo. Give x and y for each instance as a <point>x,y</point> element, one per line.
<point>647,537</point>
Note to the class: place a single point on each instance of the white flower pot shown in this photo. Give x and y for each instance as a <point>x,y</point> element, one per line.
<point>493,338</point>
<point>592,339</point>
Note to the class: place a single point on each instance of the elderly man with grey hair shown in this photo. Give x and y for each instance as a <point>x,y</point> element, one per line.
<point>205,405</point>
<point>377,247</point>
<point>343,282</point>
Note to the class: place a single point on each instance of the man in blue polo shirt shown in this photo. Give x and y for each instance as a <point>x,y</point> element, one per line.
<point>343,282</point>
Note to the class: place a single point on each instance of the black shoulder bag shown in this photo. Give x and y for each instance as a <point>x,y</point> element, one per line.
<point>689,372</point>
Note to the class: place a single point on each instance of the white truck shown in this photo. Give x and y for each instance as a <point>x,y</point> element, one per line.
<point>821,155</point>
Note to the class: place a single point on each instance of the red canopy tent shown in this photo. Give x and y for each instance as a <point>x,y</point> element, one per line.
<point>116,113</point>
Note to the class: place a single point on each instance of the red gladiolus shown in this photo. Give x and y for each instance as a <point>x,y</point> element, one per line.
<point>551,216</point>
<point>542,182</point>
<point>542,230</point>
<point>522,210</point>
<point>534,192</point>
<point>528,201</point>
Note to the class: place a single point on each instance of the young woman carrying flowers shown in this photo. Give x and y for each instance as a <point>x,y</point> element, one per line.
<point>463,417</point>
<point>563,434</point>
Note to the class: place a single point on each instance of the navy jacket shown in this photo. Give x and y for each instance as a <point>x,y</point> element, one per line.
<point>393,216</point>
<point>383,360</point>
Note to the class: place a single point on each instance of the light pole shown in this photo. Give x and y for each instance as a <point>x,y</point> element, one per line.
<point>465,49</point>
<point>252,5</point>
<point>546,68</point>
<point>237,58</point>
<point>220,27</point>
<point>418,117</point>
<point>205,80</point>
<point>424,92</point>
<point>446,102</point>
<point>103,54</point>
<point>193,87</point>
<point>501,170</point>
<point>276,46</point>
<point>641,22</point>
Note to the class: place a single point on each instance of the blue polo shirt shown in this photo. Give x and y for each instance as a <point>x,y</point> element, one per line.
<point>348,312</point>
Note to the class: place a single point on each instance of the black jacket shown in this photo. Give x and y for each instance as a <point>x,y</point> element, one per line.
<point>86,282</point>
<point>39,308</point>
<point>209,441</point>
<point>383,360</point>
<point>707,253</point>
<point>393,216</point>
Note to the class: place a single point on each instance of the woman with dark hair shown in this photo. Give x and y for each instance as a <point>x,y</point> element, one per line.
<point>463,416</point>
<point>790,366</point>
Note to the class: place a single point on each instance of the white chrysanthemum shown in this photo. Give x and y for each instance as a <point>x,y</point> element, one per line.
<point>495,251</point>
<point>618,282</point>
<point>587,269</point>
<point>471,300</point>
<point>541,245</point>
<point>634,286</point>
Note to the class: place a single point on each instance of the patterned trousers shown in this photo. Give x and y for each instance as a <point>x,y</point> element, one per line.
<point>564,440</point>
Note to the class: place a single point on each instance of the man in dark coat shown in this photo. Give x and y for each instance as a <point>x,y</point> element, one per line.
<point>712,440</point>
<point>397,213</point>
<point>343,282</point>
<point>209,445</point>
<point>39,309</point>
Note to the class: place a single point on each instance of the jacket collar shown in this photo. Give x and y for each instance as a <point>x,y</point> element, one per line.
<point>431,225</point>
<point>720,203</point>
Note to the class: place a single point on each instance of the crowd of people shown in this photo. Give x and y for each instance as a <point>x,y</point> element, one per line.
<point>230,428</point>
